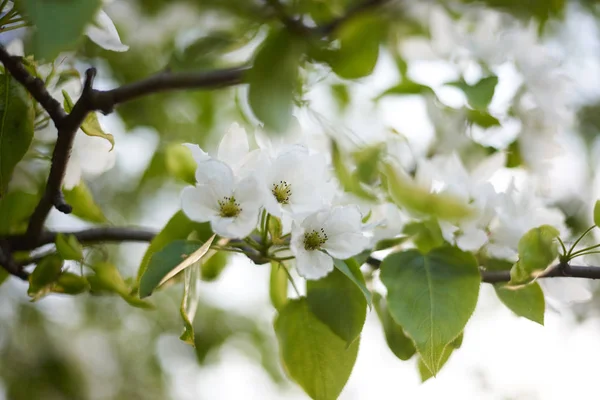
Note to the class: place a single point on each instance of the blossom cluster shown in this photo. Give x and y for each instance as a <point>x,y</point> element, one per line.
<point>292,183</point>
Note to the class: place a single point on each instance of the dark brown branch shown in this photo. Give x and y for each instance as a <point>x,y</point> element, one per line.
<point>557,271</point>
<point>105,101</point>
<point>35,86</point>
<point>9,264</point>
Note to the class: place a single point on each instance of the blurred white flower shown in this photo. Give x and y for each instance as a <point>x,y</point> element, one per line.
<point>230,205</point>
<point>386,222</point>
<point>103,32</point>
<point>335,232</point>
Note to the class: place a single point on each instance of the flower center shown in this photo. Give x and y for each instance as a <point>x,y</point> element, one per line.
<point>315,239</point>
<point>228,208</point>
<point>282,192</point>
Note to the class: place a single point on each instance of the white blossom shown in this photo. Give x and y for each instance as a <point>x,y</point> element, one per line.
<point>230,205</point>
<point>103,32</point>
<point>334,232</point>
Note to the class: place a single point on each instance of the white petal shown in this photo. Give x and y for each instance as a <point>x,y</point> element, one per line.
<point>472,239</point>
<point>218,175</point>
<point>103,32</point>
<point>249,194</point>
<point>448,230</point>
<point>198,154</point>
<point>95,154</point>
<point>346,245</point>
<point>566,290</point>
<point>313,264</point>
<point>342,219</point>
<point>235,228</point>
<point>234,145</point>
<point>72,174</point>
<point>199,203</point>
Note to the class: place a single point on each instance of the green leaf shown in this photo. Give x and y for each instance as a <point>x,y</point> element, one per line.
<point>482,118</point>
<point>275,230</point>
<point>91,125</point>
<point>3,275</point>
<point>108,278</point>
<point>425,373</point>
<point>431,296</point>
<point>537,249</point>
<point>212,266</point>
<point>278,285</point>
<point>313,356</point>
<point>351,268</point>
<point>341,95</point>
<point>514,158</point>
<point>15,209</point>
<point>400,344</point>
<point>70,283</point>
<point>358,46</point>
<point>425,235</point>
<point>526,301</point>
<point>69,247</point>
<point>272,80</point>
<point>480,94</point>
<point>84,207</point>
<point>389,243</point>
<point>338,303</point>
<point>171,260</point>
<point>408,194</point>
<point>16,127</point>
<point>43,277</point>
<point>189,302</point>
<point>367,163</point>
<point>58,23</point>
<point>406,88</point>
<point>180,163</point>
<point>597,213</point>
<point>178,228</point>
<point>349,182</point>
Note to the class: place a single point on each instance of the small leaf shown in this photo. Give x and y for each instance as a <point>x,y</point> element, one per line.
<point>480,94</point>
<point>275,230</point>
<point>482,118</point>
<point>367,163</point>
<point>537,249</point>
<point>179,227</point>
<point>597,213</point>
<point>400,344</point>
<point>278,285</point>
<point>91,125</point>
<point>43,277</point>
<point>406,88</point>
<point>341,95</point>
<point>108,278</point>
<point>384,244</point>
<point>351,268</point>
<point>349,182</point>
<point>313,356</point>
<point>15,209</point>
<point>69,283</point>
<point>526,301</point>
<point>69,247</point>
<point>170,261</point>
<point>180,163</point>
<point>58,23</point>
<point>431,296</point>
<point>338,303</point>
<point>189,302</point>
<point>425,235</point>
<point>359,47</point>
<point>16,127</point>
<point>84,207</point>
<point>273,78</point>
<point>408,194</point>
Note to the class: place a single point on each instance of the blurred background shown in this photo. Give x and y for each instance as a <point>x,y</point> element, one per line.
<point>92,347</point>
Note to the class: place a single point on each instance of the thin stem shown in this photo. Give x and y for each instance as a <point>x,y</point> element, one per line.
<point>265,237</point>
<point>584,254</point>
<point>562,244</point>
<point>281,265</point>
<point>282,259</point>
<point>575,254</point>
<point>280,250</point>
<point>579,240</point>
<point>230,249</point>
<point>253,243</point>
<point>3,4</point>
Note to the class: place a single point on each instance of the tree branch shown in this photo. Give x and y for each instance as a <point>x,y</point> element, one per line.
<point>557,271</point>
<point>9,264</point>
<point>35,86</point>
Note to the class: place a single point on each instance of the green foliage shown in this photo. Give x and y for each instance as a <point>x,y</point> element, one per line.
<point>407,88</point>
<point>84,207</point>
<point>189,301</point>
<point>597,213</point>
<point>168,262</point>
<point>278,285</point>
<point>107,278</point>
<point>15,209</point>
<point>3,275</point>
<point>351,268</point>
<point>70,283</point>
<point>91,125</point>
<point>425,373</point>
<point>480,94</point>
<point>527,301</point>
<point>425,235</point>
<point>400,344</point>
<point>211,268</point>
<point>541,10</point>
<point>349,182</point>
<point>179,227</point>
<point>313,356</point>
<point>58,23</point>
<point>338,303</point>
<point>16,127</point>
<point>341,95</point>
<point>367,163</point>
<point>358,47</point>
<point>273,78</point>
<point>432,296</point>
<point>180,163</point>
<point>482,118</point>
<point>69,247</point>
<point>389,243</point>
<point>44,276</point>
<point>537,249</point>
<point>408,194</point>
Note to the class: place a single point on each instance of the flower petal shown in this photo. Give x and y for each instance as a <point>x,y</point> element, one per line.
<point>313,264</point>
<point>346,245</point>
<point>343,219</point>
<point>234,145</point>
<point>198,154</point>
<point>218,175</point>
<point>104,33</point>
<point>199,203</point>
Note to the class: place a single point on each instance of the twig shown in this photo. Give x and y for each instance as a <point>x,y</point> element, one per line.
<point>9,264</point>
